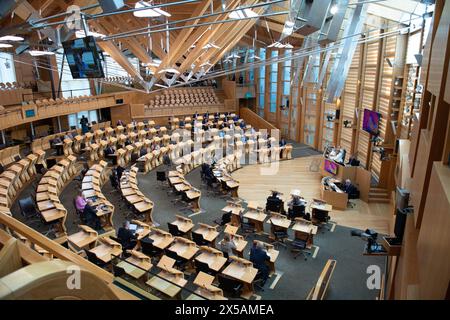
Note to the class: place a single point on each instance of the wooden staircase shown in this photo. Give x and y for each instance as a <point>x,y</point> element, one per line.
<point>379,195</point>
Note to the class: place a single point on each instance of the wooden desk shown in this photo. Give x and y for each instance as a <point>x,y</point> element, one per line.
<point>278,221</point>
<point>168,282</point>
<point>236,210</point>
<point>231,229</point>
<point>208,232</point>
<point>257,217</point>
<point>161,239</point>
<point>45,205</point>
<point>194,196</point>
<point>146,208</point>
<point>128,192</point>
<point>137,265</point>
<point>206,289</point>
<point>242,270</point>
<point>134,198</point>
<point>106,249</point>
<point>86,237</point>
<point>212,257</point>
<point>304,227</point>
<point>184,248</point>
<point>184,225</point>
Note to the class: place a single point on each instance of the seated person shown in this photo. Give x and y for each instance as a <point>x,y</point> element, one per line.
<point>227,246</point>
<point>195,115</point>
<point>235,118</point>
<point>295,201</point>
<point>126,237</point>
<point>274,203</point>
<point>282,142</point>
<point>80,201</point>
<point>340,156</point>
<point>109,150</point>
<point>216,115</point>
<point>90,216</point>
<point>259,257</point>
<point>205,120</point>
<point>181,123</point>
<point>242,125</point>
<point>353,161</point>
<point>143,152</point>
<point>119,171</point>
<point>350,189</point>
<point>57,140</point>
<point>127,142</point>
<point>68,135</point>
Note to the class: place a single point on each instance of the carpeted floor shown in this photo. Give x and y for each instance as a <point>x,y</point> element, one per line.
<point>294,277</point>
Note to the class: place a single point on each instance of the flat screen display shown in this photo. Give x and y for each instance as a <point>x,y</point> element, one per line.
<point>371,121</point>
<point>83,58</point>
<point>330,167</point>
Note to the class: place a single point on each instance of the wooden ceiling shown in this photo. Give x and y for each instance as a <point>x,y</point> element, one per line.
<point>179,52</point>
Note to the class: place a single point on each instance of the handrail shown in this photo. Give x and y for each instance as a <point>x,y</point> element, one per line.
<point>251,117</point>
<point>53,247</point>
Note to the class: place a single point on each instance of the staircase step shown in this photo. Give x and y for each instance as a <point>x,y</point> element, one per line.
<point>379,200</point>
<point>378,190</point>
<point>378,195</point>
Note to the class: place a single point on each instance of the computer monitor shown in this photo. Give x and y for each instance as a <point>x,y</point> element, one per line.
<point>371,121</point>
<point>330,167</point>
<point>83,58</point>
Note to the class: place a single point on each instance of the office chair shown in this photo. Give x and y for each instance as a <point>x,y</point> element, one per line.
<point>280,237</point>
<point>28,210</point>
<point>173,229</point>
<point>321,216</point>
<point>161,176</point>
<point>299,247</point>
<point>203,267</point>
<point>180,263</point>
<point>226,218</point>
<point>298,211</point>
<point>247,228</point>
<point>118,271</point>
<point>273,205</point>
<point>199,240</point>
<point>95,260</point>
<point>259,282</point>
<point>229,285</point>
<point>149,249</point>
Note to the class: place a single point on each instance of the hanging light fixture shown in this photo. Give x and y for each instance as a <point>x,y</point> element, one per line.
<point>37,53</point>
<point>5,45</point>
<point>11,38</point>
<point>171,70</point>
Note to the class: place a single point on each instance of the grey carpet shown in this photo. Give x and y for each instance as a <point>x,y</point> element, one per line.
<point>298,276</point>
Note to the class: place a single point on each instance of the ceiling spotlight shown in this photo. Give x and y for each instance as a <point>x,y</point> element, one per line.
<point>288,28</point>
<point>150,12</point>
<point>5,45</point>
<point>11,38</point>
<point>243,13</point>
<point>334,9</point>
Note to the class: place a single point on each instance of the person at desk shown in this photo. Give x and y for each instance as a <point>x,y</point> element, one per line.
<point>353,161</point>
<point>90,216</point>
<point>206,115</point>
<point>296,201</point>
<point>80,201</point>
<point>235,118</point>
<point>195,115</point>
<point>259,257</point>
<point>109,150</point>
<point>120,123</point>
<point>68,135</point>
<point>119,171</point>
<point>127,142</point>
<point>84,124</point>
<point>126,237</point>
<point>282,142</point>
<point>227,246</point>
<point>143,152</point>
<point>242,125</point>
<point>350,189</point>
<point>274,203</point>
